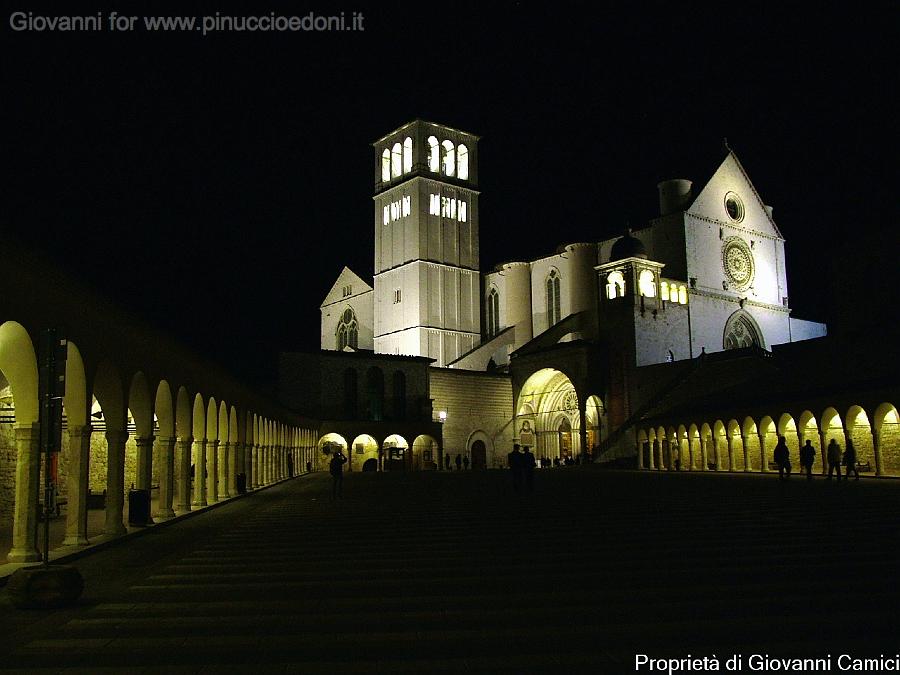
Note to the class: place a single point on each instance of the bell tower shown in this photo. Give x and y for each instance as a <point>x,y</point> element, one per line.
<point>427,279</point>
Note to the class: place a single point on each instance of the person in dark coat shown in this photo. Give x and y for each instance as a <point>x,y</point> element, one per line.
<point>447,461</point>
<point>850,461</point>
<point>807,457</point>
<point>458,462</point>
<point>336,468</point>
<point>466,462</point>
<point>514,460</point>
<point>783,459</point>
<point>833,455</point>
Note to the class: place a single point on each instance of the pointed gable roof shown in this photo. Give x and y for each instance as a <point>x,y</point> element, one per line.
<point>347,277</point>
<point>731,176</point>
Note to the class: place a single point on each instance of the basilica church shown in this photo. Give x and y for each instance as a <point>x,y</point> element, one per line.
<point>571,354</point>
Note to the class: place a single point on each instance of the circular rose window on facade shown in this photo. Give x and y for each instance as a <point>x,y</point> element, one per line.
<point>738,262</point>
<point>734,207</point>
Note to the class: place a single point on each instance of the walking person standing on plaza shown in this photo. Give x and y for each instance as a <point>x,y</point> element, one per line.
<point>850,461</point>
<point>834,459</point>
<point>528,464</point>
<point>807,457</point>
<point>783,459</point>
<point>336,468</point>
<point>458,462</point>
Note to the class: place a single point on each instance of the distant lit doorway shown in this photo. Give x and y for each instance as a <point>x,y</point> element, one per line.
<point>479,455</point>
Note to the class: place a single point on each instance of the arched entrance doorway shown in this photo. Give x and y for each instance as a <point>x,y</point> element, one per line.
<point>363,450</point>
<point>425,454</point>
<point>327,446</point>
<point>394,453</point>
<point>479,455</point>
<point>548,412</point>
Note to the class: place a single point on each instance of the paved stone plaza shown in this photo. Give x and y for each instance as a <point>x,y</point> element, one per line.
<point>399,577</point>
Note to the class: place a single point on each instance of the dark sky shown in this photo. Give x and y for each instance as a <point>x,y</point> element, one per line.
<point>218,184</point>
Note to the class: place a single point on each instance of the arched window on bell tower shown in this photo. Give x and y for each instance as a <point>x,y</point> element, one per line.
<point>462,162</point>
<point>448,158</point>
<point>407,154</point>
<point>396,160</point>
<point>615,285</point>
<point>385,166</point>
<point>434,155</point>
<point>647,284</point>
<point>553,300</point>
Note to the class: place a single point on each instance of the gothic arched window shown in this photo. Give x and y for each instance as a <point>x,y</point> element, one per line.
<point>434,155</point>
<point>396,160</point>
<point>741,331</point>
<point>462,162</point>
<point>493,313</point>
<point>385,165</point>
<point>553,304</point>
<point>448,157</point>
<point>347,332</point>
<point>407,154</point>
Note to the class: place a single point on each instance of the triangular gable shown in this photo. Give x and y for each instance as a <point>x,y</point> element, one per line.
<point>731,177</point>
<point>347,277</point>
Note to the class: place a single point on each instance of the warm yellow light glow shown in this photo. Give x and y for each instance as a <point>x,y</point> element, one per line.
<point>682,295</point>
<point>646,284</point>
<point>664,290</point>
<point>443,415</point>
<point>615,285</point>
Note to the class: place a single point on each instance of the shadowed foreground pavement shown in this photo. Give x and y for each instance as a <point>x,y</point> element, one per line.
<point>453,572</point>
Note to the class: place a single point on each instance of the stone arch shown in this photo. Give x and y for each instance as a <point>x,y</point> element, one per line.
<point>18,362</point>
<point>425,455</point>
<point>662,449</point>
<point>887,427</point>
<point>695,447</point>
<point>767,439</point>
<point>594,417</point>
<point>859,432</point>
<point>652,449</point>
<point>481,449</point>
<point>394,453</point>
<point>832,428</point>
<point>787,427</point>
<point>326,445</point>
<point>684,449</point>
<point>741,330</point>
<point>735,449</point>
<point>363,449</point>
<point>547,396</point>
<point>719,455</point>
<point>643,448</point>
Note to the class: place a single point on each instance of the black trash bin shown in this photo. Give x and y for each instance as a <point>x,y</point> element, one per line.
<point>241,483</point>
<point>139,507</point>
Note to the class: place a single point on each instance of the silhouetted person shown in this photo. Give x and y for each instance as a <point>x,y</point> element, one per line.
<point>556,461</point>
<point>833,454</point>
<point>807,457</point>
<point>850,461</point>
<point>466,462</point>
<point>308,467</point>
<point>458,462</point>
<point>514,459</point>
<point>447,462</point>
<point>783,459</point>
<point>336,468</point>
<point>528,463</point>
<point>290,466</point>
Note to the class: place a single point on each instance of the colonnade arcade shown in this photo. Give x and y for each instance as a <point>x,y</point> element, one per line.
<point>393,452</point>
<point>550,416</point>
<point>122,429</point>
<point>748,444</point>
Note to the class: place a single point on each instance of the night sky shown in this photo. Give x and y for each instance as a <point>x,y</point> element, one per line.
<point>218,184</point>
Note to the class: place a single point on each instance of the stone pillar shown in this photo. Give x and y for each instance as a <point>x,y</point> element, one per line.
<point>235,455</point>
<point>166,479</point>
<point>225,450</point>
<point>763,460</point>
<point>704,454</point>
<point>876,449</point>
<point>690,448</point>
<point>115,482</point>
<point>640,455</point>
<point>199,500</point>
<point>144,462</point>
<point>212,473</point>
<point>254,463</point>
<point>730,439</point>
<point>79,464</point>
<point>28,475</point>
<point>183,499</point>
<point>823,448</point>
<point>653,445</point>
